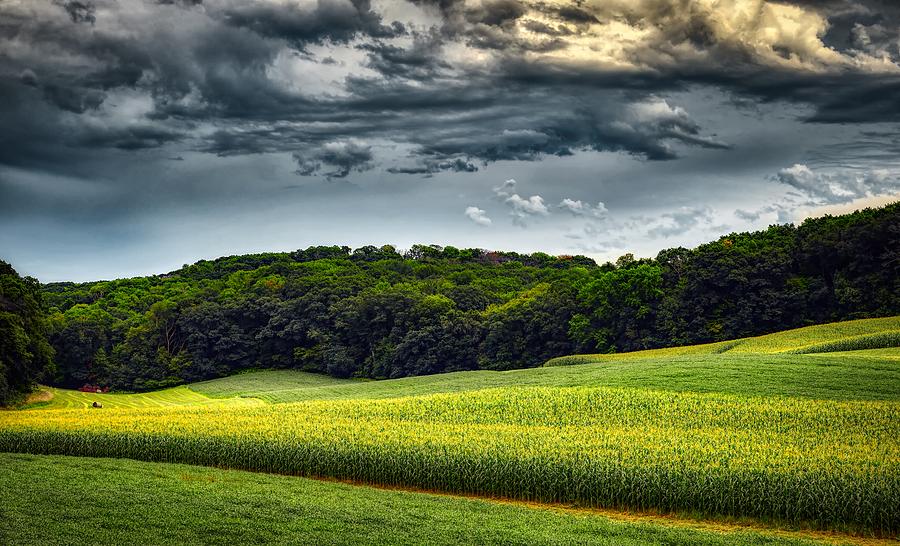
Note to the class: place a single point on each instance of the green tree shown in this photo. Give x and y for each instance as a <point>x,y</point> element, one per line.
<point>25,354</point>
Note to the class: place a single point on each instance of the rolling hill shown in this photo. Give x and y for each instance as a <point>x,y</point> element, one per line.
<point>759,428</point>
<point>760,366</point>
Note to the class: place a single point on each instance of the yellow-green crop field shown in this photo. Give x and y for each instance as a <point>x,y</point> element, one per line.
<point>611,434</point>
<point>825,463</point>
<point>176,396</point>
<point>851,335</point>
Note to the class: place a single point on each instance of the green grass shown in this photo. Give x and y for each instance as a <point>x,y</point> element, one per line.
<point>177,396</point>
<point>66,500</point>
<point>880,340</point>
<point>851,377</point>
<point>692,350</point>
<point>251,383</point>
<point>889,353</point>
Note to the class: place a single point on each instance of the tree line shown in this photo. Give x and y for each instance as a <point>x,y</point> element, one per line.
<point>25,355</point>
<point>375,312</point>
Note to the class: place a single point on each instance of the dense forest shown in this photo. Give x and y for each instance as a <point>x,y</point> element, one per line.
<point>25,354</point>
<point>374,312</point>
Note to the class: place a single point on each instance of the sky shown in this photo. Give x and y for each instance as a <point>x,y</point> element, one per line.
<point>137,135</point>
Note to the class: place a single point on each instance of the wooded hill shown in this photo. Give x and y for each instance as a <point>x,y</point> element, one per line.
<point>374,312</point>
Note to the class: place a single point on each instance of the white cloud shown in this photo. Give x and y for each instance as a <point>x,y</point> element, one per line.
<point>629,34</point>
<point>837,187</point>
<point>534,205</point>
<point>505,189</point>
<point>522,208</point>
<point>580,208</point>
<point>477,215</point>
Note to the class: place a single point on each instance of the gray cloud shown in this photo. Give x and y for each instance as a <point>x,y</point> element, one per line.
<point>837,187</point>
<point>151,111</point>
<point>680,221</point>
<point>229,88</point>
<point>783,214</point>
<point>329,20</point>
<point>80,12</point>
<point>342,156</point>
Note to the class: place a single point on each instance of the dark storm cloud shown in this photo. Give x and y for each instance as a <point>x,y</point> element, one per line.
<point>496,12</point>
<point>429,167</point>
<point>80,12</point>
<point>420,61</point>
<point>574,14</point>
<point>341,157</point>
<point>332,20</point>
<point>489,81</point>
<point>859,24</point>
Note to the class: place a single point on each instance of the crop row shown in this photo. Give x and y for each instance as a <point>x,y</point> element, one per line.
<point>829,464</point>
<point>880,340</point>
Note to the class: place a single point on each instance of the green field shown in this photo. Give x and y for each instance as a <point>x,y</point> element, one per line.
<point>774,369</point>
<point>851,335</point>
<point>177,396</point>
<point>855,375</point>
<point>809,440</point>
<point>851,377</point>
<point>180,504</point>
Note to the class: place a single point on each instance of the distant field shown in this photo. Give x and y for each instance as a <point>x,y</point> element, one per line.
<point>180,504</point>
<point>851,377</point>
<point>250,383</point>
<point>800,439</point>
<point>726,367</point>
<point>177,396</point>
<point>851,335</point>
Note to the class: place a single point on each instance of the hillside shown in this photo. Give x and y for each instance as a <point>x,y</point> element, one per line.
<point>375,312</point>
<point>774,364</point>
<point>774,437</point>
<point>848,336</point>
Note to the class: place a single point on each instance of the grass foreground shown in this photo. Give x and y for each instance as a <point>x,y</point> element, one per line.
<point>114,501</point>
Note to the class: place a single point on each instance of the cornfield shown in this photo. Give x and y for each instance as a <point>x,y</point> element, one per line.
<point>853,335</point>
<point>881,340</point>
<point>827,464</point>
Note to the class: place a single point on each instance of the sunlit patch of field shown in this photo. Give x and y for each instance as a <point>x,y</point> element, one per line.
<point>818,376</point>
<point>853,334</point>
<point>265,381</point>
<point>53,398</point>
<point>863,334</point>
